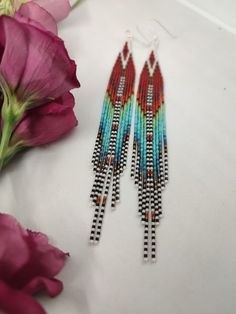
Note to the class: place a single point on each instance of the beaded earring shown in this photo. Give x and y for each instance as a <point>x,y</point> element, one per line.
<point>111,146</point>
<point>149,165</point>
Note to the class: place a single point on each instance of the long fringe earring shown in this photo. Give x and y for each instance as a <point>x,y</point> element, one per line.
<point>111,146</point>
<point>149,165</point>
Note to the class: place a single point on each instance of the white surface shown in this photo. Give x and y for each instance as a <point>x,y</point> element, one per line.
<point>224,11</point>
<point>47,188</point>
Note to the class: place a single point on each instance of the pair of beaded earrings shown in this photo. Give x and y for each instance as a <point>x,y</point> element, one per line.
<point>149,165</point>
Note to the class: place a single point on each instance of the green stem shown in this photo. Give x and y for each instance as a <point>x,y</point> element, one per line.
<point>11,113</point>
<point>74,5</point>
<point>8,127</point>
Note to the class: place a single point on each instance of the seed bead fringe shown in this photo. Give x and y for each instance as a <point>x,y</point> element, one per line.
<point>149,163</point>
<point>111,146</point>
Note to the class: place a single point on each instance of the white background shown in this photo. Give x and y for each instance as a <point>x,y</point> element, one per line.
<point>222,11</point>
<point>48,188</point>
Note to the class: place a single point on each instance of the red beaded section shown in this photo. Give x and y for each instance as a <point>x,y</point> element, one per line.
<point>152,59</point>
<point>115,126</point>
<point>118,71</point>
<point>150,173</point>
<point>98,200</point>
<point>104,200</point>
<point>125,50</point>
<point>153,216</point>
<point>156,81</point>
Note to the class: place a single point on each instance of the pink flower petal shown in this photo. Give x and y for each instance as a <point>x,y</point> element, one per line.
<point>49,258</point>
<point>47,123</point>
<point>23,19</point>
<point>14,252</point>
<point>12,59</point>
<point>41,68</point>
<point>59,9</point>
<point>17,302</point>
<point>28,264</point>
<point>44,263</point>
<point>33,11</point>
<point>53,287</point>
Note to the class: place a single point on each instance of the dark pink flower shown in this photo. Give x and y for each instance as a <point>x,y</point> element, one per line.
<point>35,81</point>
<point>46,123</point>
<point>46,13</point>
<point>28,264</point>
<point>41,68</point>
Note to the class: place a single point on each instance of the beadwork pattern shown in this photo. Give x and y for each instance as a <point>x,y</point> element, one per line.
<point>149,165</point>
<point>111,146</point>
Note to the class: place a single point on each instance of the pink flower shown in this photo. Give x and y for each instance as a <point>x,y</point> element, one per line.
<point>33,14</point>
<point>46,123</point>
<point>28,264</point>
<point>59,9</point>
<point>35,80</point>
<point>40,69</point>
<point>46,13</point>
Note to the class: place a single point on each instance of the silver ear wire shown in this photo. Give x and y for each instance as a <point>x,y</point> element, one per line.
<point>146,42</point>
<point>129,38</point>
<point>154,42</point>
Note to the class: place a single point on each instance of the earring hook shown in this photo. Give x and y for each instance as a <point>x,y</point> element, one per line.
<point>146,41</point>
<point>129,37</point>
<point>155,41</point>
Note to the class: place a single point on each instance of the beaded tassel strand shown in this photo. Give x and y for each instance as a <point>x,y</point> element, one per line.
<point>149,164</point>
<point>111,145</point>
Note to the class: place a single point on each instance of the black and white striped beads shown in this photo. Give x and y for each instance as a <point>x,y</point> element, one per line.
<point>150,197</point>
<point>166,167</point>
<point>146,238</point>
<point>132,173</point>
<point>153,237</point>
<point>106,169</point>
<point>103,205</point>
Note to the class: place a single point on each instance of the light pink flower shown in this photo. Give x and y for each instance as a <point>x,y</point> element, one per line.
<point>46,13</point>
<point>28,265</point>
<point>32,13</point>
<point>59,9</point>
